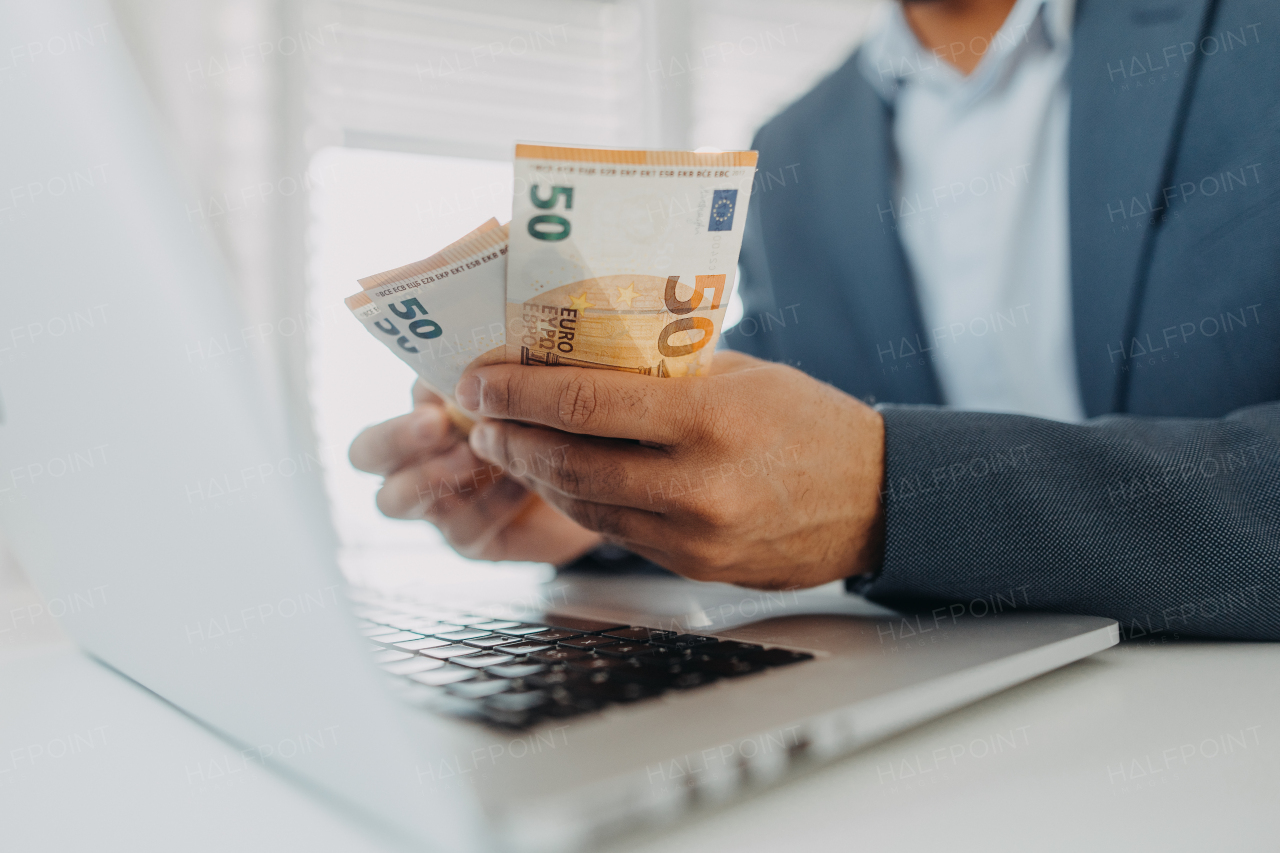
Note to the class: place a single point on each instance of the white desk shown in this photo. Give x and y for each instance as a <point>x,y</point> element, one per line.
<point>1169,747</point>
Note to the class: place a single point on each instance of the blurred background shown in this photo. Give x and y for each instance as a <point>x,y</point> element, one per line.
<point>325,141</point>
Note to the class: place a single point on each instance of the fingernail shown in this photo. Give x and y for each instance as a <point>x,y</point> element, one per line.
<point>468,393</point>
<point>484,441</point>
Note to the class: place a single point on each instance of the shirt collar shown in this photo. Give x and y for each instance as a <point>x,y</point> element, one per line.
<point>892,57</point>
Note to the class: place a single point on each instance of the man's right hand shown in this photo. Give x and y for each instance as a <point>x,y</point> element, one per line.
<point>431,473</point>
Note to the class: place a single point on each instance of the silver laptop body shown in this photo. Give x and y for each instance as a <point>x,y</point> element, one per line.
<point>107,425</point>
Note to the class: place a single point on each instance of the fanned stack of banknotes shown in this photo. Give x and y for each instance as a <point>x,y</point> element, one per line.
<point>617,259</point>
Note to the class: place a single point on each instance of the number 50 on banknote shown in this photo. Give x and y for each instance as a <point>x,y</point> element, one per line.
<point>623,259</point>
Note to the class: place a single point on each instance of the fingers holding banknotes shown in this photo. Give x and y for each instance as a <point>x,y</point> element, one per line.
<point>432,474</point>
<point>755,474</point>
<point>384,448</point>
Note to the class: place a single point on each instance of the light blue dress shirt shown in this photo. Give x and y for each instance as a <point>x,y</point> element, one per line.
<point>981,205</point>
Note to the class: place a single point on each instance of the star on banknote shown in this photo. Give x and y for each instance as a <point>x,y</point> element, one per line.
<point>627,294</point>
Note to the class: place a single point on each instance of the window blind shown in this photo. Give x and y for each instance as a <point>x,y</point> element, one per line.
<point>470,77</point>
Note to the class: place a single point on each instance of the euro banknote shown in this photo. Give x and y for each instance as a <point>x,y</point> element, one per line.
<point>385,330</point>
<point>372,318</point>
<point>623,259</point>
<point>442,313</point>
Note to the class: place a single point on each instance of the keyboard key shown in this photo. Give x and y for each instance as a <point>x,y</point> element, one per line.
<point>482,660</point>
<point>397,637</point>
<point>555,679</point>
<point>458,635</point>
<point>389,655</point>
<point>443,676</point>
<point>404,623</point>
<point>518,718</point>
<point>569,705</point>
<point>663,661</point>
<point>521,701</point>
<point>730,648</point>
<point>559,655</point>
<point>724,667</point>
<point>479,688</point>
<point>428,626</point>
<point>585,626</point>
<point>782,657</point>
<point>626,650</point>
<point>683,641</point>
<point>392,614</point>
<point>606,691</point>
<point>640,635</point>
<point>651,678</point>
<point>417,663</point>
<point>588,642</point>
<point>439,614</point>
<point>552,635</point>
<point>451,651</point>
<point>427,618</point>
<point>595,664</point>
<point>515,670</point>
<point>457,706</point>
<point>626,691</point>
<point>522,648</point>
<point>495,625</point>
<point>488,641</point>
<point>522,630</point>
<point>467,619</point>
<point>509,719</point>
<point>685,680</point>
<point>375,630</point>
<point>424,643</point>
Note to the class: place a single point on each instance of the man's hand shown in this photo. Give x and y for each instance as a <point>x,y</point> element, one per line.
<point>431,473</point>
<point>757,475</point>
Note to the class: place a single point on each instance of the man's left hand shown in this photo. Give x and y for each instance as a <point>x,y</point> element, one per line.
<point>756,474</point>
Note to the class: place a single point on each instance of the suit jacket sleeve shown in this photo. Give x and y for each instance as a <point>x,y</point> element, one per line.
<point>1165,524</point>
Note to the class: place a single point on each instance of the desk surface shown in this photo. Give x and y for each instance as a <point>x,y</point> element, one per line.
<point>1165,746</point>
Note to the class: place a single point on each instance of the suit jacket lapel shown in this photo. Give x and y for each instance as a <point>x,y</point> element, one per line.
<point>1129,72</point>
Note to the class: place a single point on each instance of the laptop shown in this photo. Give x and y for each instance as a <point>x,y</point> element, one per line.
<point>553,723</point>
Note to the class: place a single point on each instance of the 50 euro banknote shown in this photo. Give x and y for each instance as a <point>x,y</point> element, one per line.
<point>442,313</point>
<point>623,259</point>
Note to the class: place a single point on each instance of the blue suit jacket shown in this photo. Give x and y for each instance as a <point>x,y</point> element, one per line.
<point>1163,509</point>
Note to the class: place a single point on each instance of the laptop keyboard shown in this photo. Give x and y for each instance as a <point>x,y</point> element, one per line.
<point>515,674</point>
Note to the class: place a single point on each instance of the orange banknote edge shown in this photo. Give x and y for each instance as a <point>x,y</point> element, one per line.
<point>429,263</point>
<point>635,156</point>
